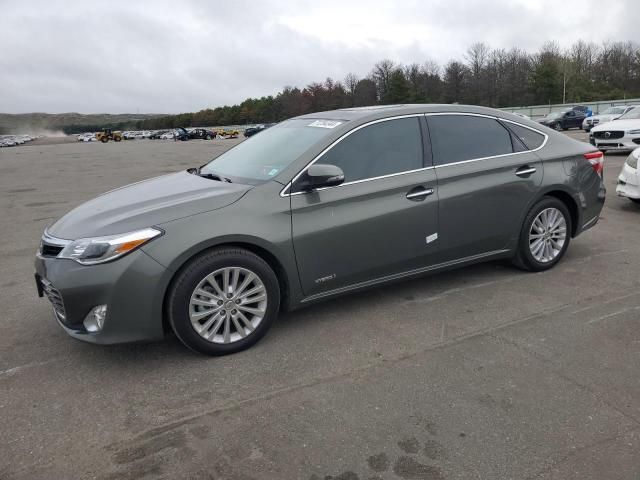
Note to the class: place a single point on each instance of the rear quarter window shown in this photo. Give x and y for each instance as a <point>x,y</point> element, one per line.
<point>530,138</point>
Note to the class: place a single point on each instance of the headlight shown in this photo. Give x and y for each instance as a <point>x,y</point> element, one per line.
<point>632,159</point>
<point>89,251</point>
<point>634,132</point>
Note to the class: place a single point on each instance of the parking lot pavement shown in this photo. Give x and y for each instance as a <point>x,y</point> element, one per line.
<point>484,373</point>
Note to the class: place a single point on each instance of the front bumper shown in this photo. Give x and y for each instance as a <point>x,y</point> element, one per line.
<point>131,287</point>
<point>624,144</point>
<point>628,182</point>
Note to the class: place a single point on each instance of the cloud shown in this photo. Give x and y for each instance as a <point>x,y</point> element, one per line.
<point>184,56</point>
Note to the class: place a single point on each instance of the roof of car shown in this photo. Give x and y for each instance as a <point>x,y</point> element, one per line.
<point>382,111</point>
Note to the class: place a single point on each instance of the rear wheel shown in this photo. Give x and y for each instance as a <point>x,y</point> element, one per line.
<point>223,301</point>
<point>117,139</point>
<point>545,235</point>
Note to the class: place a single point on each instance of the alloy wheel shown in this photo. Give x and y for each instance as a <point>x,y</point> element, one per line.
<point>228,305</point>
<point>547,235</point>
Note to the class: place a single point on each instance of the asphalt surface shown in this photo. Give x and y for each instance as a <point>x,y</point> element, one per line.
<point>486,372</point>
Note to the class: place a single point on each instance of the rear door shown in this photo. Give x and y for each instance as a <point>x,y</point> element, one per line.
<point>486,179</point>
<point>383,220</point>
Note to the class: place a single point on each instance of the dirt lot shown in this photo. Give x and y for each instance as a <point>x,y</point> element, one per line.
<point>482,373</point>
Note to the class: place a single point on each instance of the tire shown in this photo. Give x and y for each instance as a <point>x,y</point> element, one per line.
<point>227,337</point>
<point>117,139</point>
<point>525,257</point>
<point>104,139</point>
<point>557,127</point>
<point>208,137</point>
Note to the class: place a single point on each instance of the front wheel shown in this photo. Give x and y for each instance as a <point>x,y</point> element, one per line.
<point>223,301</point>
<point>545,235</point>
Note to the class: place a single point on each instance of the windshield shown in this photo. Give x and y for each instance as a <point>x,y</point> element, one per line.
<point>555,115</point>
<point>632,114</point>
<point>263,156</point>
<point>614,111</point>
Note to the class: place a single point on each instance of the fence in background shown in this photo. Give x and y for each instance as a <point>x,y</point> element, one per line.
<point>536,111</point>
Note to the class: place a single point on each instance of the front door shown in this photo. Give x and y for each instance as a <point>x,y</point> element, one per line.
<point>382,221</point>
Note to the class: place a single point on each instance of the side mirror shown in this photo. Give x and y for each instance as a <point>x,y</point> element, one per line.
<point>320,175</point>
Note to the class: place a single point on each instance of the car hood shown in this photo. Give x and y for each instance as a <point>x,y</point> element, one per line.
<point>605,118</point>
<point>147,203</point>
<point>618,125</point>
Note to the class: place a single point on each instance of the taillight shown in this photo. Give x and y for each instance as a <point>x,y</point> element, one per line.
<point>596,159</point>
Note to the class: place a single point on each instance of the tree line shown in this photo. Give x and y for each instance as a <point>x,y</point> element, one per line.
<point>484,76</point>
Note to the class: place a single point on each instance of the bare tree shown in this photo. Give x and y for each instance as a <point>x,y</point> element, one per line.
<point>381,75</point>
<point>350,83</point>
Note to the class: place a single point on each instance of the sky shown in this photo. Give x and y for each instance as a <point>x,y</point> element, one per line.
<point>168,57</point>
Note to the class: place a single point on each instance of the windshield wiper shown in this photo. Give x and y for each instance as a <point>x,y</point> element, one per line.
<point>210,176</point>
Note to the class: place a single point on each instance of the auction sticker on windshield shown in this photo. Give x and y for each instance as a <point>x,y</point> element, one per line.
<point>325,124</point>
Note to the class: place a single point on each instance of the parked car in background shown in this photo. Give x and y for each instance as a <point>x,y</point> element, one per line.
<point>622,134</point>
<point>228,133</point>
<point>167,136</point>
<point>157,134</point>
<point>250,131</point>
<point>317,206</point>
<point>629,178</point>
<point>563,120</point>
<point>607,115</point>
<point>180,133</point>
<point>582,109</point>
<point>202,134</point>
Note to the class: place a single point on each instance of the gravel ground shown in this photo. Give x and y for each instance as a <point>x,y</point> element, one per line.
<point>482,373</point>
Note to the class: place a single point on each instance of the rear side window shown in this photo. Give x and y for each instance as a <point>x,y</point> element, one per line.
<point>456,138</point>
<point>384,148</point>
<point>531,139</point>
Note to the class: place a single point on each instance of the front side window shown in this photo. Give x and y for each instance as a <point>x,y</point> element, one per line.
<point>456,138</point>
<point>383,148</point>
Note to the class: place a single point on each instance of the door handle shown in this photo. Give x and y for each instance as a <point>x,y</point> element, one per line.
<point>525,171</point>
<point>419,193</point>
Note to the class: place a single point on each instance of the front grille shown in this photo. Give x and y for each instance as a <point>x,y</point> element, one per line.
<point>48,250</point>
<point>611,135</point>
<point>52,246</point>
<point>55,298</point>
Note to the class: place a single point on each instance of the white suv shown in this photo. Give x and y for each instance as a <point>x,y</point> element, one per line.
<point>622,134</point>
<point>629,178</point>
<point>607,115</point>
